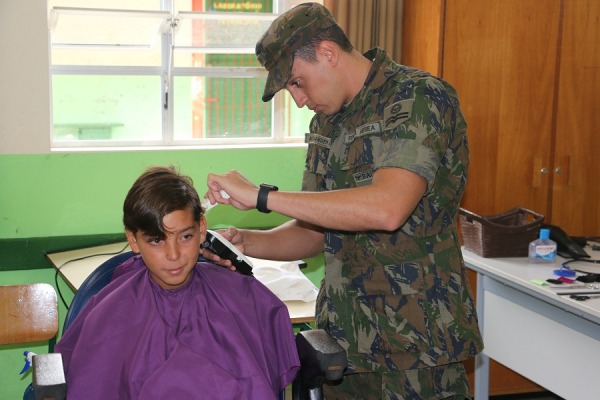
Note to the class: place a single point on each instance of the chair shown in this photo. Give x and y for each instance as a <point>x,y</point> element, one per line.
<point>29,313</point>
<point>320,356</point>
<point>93,283</point>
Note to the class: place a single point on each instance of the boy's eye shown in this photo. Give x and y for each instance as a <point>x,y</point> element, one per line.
<point>154,240</point>
<point>187,236</point>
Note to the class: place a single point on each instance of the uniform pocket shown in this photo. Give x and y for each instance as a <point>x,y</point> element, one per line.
<point>360,153</point>
<point>317,159</point>
<point>390,316</point>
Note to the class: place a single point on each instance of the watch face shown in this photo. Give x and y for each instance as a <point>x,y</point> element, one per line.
<point>267,186</point>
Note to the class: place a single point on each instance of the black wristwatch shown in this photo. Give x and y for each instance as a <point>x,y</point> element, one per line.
<point>263,194</point>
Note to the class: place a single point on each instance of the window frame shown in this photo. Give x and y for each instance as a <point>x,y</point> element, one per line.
<point>167,72</point>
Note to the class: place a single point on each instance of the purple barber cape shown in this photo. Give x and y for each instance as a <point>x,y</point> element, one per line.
<point>223,335</point>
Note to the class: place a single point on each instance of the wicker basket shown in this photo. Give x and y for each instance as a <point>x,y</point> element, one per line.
<point>502,235</point>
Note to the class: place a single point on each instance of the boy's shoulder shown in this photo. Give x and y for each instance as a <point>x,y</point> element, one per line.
<point>209,270</point>
<point>221,278</point>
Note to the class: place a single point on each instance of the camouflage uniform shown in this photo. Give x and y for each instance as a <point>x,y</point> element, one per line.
<point>396,300</point>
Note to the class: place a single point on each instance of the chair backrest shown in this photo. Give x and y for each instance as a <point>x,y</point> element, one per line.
<point>93,283</point>
<point>29,313</point>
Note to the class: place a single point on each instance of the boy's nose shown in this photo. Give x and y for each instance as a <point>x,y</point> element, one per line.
<point>172,251</point>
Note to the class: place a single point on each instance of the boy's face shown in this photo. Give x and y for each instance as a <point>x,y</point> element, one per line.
<point>172,259</point>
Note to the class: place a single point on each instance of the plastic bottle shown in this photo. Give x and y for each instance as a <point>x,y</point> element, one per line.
<point>542,250</point>
<point>28,361</point>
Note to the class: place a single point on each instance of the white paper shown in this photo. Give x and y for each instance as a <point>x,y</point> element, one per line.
<point>284,279</point>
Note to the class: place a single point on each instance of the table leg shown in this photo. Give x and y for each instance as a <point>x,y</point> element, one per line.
<point>482,362</point>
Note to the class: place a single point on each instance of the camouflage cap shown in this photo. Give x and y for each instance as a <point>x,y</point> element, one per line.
<point>288,32</point>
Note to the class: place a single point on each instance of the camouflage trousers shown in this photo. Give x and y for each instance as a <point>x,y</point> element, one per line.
<point>443,382</point>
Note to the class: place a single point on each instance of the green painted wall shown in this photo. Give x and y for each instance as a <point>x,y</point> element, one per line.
<point>71,194</point>
<point>82,193</point>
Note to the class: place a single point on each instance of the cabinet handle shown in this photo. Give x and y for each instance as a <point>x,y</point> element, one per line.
<point>558,170</point>
<point>544,170</point>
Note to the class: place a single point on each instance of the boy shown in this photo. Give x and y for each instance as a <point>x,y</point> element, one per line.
<point>168,326</point>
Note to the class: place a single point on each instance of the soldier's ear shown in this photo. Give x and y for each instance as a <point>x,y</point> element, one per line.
<point>329,51</point>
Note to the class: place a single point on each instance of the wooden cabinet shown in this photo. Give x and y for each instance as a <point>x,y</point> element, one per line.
<point>528,76</point>
<point>575,192</point>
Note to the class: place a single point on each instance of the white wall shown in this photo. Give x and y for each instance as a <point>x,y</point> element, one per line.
<point>24,77</point>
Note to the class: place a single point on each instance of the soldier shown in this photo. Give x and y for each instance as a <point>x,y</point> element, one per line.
<point>385,171</point>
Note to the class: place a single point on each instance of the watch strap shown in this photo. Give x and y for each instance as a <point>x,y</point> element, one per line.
<point>263,194</point>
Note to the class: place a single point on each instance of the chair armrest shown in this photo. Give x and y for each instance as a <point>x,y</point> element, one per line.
<point>49,377</point>
<point>321,357</point>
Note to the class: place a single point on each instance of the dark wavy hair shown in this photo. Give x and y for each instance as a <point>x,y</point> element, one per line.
<point>157,192</point>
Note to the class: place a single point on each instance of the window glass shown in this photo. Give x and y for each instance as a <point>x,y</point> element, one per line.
<point>115,108</point>
<point>231,31</point>
<point>152,72</point>
<point>220,108</point>
<point>97,37</point>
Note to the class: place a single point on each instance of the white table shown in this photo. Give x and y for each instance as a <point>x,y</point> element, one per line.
<point>550,339</point>
<point>75,266</point>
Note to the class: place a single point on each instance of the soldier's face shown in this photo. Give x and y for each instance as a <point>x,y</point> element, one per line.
<point>314,85</point>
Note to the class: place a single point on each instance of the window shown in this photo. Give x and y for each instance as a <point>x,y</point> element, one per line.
<point>130,73</point>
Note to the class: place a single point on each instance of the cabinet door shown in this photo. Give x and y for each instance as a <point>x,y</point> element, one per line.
<point>576,189</point>
<point>502,58</point>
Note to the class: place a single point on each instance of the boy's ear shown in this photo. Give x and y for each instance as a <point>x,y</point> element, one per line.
<point>203,227</point>
<point>132,241</point>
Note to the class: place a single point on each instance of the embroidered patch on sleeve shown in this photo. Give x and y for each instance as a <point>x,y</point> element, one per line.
<point>397,113</point>
<point>363,178</point>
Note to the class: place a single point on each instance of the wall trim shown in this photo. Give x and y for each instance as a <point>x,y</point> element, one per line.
<point>30,253</point>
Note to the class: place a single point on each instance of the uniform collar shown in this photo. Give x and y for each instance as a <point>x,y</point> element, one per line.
<point>382,69</point>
